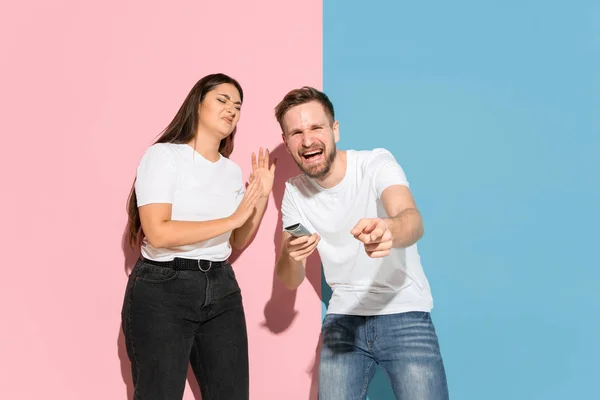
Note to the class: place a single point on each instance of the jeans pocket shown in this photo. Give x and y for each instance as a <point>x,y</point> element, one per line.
<point>153,274</point>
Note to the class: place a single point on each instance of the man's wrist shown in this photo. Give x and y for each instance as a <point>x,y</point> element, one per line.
<point>389,225</point>
<point>389,222</point>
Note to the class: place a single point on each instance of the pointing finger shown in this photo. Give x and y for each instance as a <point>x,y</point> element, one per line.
<point>359,227</point>
<point>370,226</point>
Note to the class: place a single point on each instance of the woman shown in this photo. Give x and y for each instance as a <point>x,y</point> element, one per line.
<point>188,206</point>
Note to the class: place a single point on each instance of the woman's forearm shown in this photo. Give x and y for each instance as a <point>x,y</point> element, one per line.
<point>181,233</point>
<point>242,235</point>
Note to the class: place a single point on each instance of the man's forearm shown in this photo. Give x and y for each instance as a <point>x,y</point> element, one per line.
<point>406,227</point>
<point>290,272</point>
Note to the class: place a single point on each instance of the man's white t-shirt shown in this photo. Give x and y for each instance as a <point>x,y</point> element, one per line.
<point>199,190</point>
<point>361,285</point>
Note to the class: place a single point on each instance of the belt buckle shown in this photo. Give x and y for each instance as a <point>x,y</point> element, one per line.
<point>205,270</point>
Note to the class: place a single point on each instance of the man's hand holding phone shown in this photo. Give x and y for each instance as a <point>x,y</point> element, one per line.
<point>300,248</point>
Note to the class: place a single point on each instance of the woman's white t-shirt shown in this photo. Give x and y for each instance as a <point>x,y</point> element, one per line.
<point>199,190</point>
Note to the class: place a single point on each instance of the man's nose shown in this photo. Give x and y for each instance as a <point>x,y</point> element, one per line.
<point>307,139</point>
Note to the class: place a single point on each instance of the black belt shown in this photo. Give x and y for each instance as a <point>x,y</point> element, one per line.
<point>186,264</point>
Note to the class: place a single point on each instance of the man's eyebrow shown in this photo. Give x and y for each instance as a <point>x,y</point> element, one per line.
<point>228,97</point>
<point>312,126</point>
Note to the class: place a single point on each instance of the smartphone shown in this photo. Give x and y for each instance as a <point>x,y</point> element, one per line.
<point>297,230</point>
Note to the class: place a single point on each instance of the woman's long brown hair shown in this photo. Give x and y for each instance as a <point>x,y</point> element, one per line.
<point>182,130</point>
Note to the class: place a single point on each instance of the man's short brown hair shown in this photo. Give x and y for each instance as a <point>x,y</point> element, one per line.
<point>303,95</point>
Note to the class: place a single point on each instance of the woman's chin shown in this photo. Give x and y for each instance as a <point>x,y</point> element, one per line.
<point>226,132</point>
<point>222,133</point>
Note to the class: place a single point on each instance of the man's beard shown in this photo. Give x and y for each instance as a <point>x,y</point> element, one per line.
<point>319,173</point>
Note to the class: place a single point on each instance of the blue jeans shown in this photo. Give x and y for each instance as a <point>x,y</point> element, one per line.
<point>405,345</point>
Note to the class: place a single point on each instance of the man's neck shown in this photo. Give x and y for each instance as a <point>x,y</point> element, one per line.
<point>337,172</point>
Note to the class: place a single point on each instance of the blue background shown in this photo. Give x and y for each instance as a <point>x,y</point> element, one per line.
<point>492,109</point>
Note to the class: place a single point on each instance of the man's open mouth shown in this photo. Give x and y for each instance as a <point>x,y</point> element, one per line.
<point>312,154</point>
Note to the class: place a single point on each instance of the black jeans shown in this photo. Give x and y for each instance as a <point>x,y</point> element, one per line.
<point>172,317</point>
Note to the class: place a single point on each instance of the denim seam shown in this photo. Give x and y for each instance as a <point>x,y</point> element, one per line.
<point>374,334</point>
<point>207,294</point>
<point>366,384</point>
<point>371,329</point>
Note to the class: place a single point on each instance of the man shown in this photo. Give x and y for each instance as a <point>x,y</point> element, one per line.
<point>365,225</point>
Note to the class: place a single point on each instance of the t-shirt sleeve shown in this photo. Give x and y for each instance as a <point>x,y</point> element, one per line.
<point>156,176</point>
<point>289,211</point>
<point>385,171</point>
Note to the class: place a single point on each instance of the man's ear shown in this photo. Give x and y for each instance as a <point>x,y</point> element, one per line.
<point>336,131</point>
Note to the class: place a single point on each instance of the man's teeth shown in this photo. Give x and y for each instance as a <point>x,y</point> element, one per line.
<point>313,153</point>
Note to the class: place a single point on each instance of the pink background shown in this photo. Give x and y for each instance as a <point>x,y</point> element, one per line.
<point>85,88</point>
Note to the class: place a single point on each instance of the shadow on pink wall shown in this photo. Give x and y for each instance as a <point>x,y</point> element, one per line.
<point>279,312</point>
